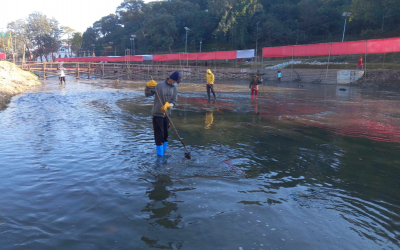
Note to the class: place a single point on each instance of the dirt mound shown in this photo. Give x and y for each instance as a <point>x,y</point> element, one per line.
<point>13,81</point>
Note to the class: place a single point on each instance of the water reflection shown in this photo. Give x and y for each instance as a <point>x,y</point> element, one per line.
<point>209,119</point>
<point>162,212</point>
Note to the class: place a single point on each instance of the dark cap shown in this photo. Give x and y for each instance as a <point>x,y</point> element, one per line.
<point>176,76</point>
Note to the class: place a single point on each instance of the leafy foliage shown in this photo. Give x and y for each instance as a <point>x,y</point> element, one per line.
<point>220,25</point>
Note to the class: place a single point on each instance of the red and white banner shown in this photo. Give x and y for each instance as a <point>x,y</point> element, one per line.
<point>390,45</point>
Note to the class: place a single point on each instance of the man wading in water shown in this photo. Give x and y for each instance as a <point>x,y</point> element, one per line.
<point>166,91</point>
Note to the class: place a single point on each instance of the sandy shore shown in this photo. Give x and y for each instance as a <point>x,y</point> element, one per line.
<point>14,81</point>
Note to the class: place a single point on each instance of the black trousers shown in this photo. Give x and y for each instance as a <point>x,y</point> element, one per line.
<point>160,126</point>
<point>62,78</point>
<point>210,88</point>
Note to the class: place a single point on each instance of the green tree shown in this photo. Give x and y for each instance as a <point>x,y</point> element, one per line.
<point>370,17</point>
<point>44,33</point>
<point>68,32</point>
<point>162,31</point>
<point>76,42</point>
<point>18,31</point>
<point>89,37</point>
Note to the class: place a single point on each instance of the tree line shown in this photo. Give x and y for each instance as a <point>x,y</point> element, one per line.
<point>159,27</point>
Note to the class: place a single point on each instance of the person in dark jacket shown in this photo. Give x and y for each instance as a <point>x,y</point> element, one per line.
<point>166,97</point>
<point>254,86</point>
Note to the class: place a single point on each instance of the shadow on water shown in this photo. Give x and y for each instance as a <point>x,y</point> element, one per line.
<point>301,167</point>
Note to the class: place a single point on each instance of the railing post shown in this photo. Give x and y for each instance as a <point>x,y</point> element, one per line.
<point>77,71</point>
<point>44,71</point>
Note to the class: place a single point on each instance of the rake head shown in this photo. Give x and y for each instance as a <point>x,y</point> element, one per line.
<point>188,155</point>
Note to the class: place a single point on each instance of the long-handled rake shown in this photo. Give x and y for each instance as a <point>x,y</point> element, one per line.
<point>187,153</point>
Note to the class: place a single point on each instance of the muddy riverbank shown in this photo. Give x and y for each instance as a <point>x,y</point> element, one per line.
<point>14,81</point>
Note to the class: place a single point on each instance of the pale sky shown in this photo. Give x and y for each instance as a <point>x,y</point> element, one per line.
<point>77,14</point>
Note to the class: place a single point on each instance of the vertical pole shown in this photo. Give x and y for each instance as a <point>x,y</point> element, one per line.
<point>327,67</point>
<point>257,44</point>
<point>15,49</point>
<point>44,71</point>
<point>365,74</point>
<point>23,55</point>
<point>215,62</point>
<point>262,61</point>
<point>344,29</point>
<point>291,73</point>
<point>77,71</point>
<point>186,42</point>
<point>89,71</point>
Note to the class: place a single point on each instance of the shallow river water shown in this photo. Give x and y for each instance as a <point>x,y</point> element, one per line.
<point>309,167</point>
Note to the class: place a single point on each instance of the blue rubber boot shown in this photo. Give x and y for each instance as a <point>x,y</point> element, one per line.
<point>160,150</point>
<point>165,145</point>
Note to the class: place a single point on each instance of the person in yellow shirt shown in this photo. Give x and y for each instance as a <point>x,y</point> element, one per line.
<point>210,84</point>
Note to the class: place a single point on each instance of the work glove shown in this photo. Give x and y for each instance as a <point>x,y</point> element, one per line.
<point>166,107</point>
<point>151,84</point>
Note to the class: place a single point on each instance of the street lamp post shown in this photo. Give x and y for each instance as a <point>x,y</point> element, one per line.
<point>133,40</point>
<point>93,45</point>
<point>297,32</point>
<point>201,41</point>
<point>345,14</point>
<point>111,43</point>
<point>257,42</point>
<point>187,30</point>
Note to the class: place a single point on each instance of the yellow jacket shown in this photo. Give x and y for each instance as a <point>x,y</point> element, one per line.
<point>209,77</point>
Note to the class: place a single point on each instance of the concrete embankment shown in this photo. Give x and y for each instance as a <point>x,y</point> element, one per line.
<point>13,81</point>
<point>380,78</point>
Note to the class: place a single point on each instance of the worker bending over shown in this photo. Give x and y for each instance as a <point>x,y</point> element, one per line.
<point>166,97</point>
<point>210,84</point>
<point>254,86</point>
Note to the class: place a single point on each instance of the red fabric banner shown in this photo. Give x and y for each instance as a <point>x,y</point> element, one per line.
<point>226,55</point>
<point>101,59</point>
<point>206,56</point>
<point>311,50</point>
<point>390,45</point>
<point>285,51</point>
<point>348,48</point>
<point>189,56</point>
<point>165,58</point>
<point>220,55</point>
<point>2,56</point>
